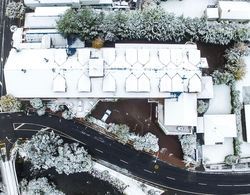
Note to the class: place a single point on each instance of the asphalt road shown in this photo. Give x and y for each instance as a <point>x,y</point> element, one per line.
<point>138,163</point>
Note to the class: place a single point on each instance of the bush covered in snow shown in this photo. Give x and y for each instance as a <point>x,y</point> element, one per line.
<point>9,103</point>
<point>152,23</point>
<point>38,186</point>
<point>188,145</point>
<point>46,150</point>
<point>15,10</point>
<point>38,105</point>
<point>148,142</point>
<point>121,131</point>
<point>105,176</point>
<point>231,159</point>
<point>202,106</point>
<point>93,120</point>
<point>68,114</point>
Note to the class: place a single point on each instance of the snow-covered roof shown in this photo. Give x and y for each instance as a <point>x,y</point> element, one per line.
<point>96,67</point>
<point>214,154</point>
<point>234,10</point>
<point>143,83</point>
<point>131,83</point>
<point>207,90</point>
<point>177,83</point>
<point>84,84</point>
<point>247,121</point>
<point>212,13</point>
<point>50,11</point>
<point>97,64</point>
<point>59,84</point>
<point>218,127</point>
<point>181,112</point>
<point>165,83</point>
<point>33,21</point>
<point>109,83</point>
<point>194,84</point>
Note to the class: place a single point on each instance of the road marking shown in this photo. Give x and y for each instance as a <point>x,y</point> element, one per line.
<point>99,150</point>
<point>202,184</point>
<point>241,185</point>
<point>224,185</point>
<point>147,171</point>
<point>124,161</point>
<point>171,178</point>
<point>18,127</point>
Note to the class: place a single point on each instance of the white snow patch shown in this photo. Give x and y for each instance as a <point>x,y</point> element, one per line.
<point>133,185</point>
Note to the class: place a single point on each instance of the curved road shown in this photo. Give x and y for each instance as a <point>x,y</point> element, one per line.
<point>137,163</point>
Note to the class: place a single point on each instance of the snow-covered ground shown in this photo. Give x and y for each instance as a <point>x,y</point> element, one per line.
<point>133,185</point>
<point>187,8</point>
<point>245,149</point>
<point>221,103</point>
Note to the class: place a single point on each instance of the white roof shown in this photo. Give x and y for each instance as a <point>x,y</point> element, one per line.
<point>212,13</point>
<point>217,127</point>
<point>182,112</point>
<point>110,61</point>
<point>131,83</point>
<point>200,125</point>
<point>194,84</point>
<point>234,10</point>
<point>50,11</point>
<point>165,83</point>
<point>143,56</point>
<point>143,83</point>
<point>33,21</point>
<point>84,84</point>
<point>131,56</point>
<point>247,121</point>
<point>215,154</point>
<point>207,90</point>
<point>177,83</point>
<point>59,84</point>
<point>95,67</point>
<point>109,83</point>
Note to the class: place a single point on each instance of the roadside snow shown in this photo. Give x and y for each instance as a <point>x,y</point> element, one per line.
<point>245,149</point>
<point>133,185</point>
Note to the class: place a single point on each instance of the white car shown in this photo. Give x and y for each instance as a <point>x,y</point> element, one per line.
<point>106,115</point>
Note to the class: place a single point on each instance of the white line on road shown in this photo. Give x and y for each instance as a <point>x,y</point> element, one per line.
<point>171,178</point>
<point>124,161</point>
<point>202,184</point>
<point>99,150</point>
<point>224,185</point>
<point>147,171</point>
<point>18,127</point>
<point>241,185</point>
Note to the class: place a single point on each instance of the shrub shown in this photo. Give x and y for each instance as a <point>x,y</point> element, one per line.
<point>38,186</point>
<point>231,159</point>
<point>15,10</point>
<point>9,103</point>
<point>97,43</point>
<point>152,23</point>
<point>84,22</point>
<point>202,106</point>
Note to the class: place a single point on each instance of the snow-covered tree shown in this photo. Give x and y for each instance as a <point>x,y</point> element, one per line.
<point>121,131</point>
<point>202,106</point>
<point>36,103</point>
<point>38,186</point>
<point>188,145</point>
<point>9,103</point>
<point>15,10</point>
<point>54,106</point>
<point>148,142</point>
<point>46,150</point>
<point>72,159</point>
<point>68,114</point>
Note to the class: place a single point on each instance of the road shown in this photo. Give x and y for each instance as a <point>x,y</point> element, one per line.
<point>5,42</point>
<point>138,163</point>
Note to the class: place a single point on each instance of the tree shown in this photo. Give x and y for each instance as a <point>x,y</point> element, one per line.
<point>15,10</point>
<point>148,142</point>
<point>38,186</point>
<point>9,103</point>
<point>46,150</point>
